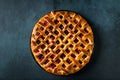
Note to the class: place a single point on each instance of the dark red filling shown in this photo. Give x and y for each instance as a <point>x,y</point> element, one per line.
<point>47,41</point>
<point>84,56</point>
<point>87,40</point>
<point>53,46</point>
<point>65,21</point>
<point>80,61</point>
<point>63,66</point>
<point>52,56</point>
<point>82,45</point>
<point>52,65</point>
<point>61,27</point>
<point>77,51</point>
<point>80,35</point>
<point>70,36</point>
<point>67,50</point>
<point>57,42</point>
<point>42,46</point>
<point>56,21</point>
<point>85,29</point>
<point>66,32</point>
<point>52,37</point>
<point>76,40</point>
<point>50,27</point>
<point>68,61</point>
<point>58,61</point>
<point>41,57</point>
<point>76,21</point>
<point>62,46</point>
<point>38,41</point>
<point>61,37</point>
<point>46,61</point>
<point>57,51</point>
<point>46,32</point>
<point>37,33</point>
<point>71,45</point>
<point>47,51</point>
<point>62,56</point>
<point>56,32</point>
<point>71,26</point>
<point>45,23</point>
<point>73,55</point>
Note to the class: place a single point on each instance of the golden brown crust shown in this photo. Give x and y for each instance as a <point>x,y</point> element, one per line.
<point>62,42</point>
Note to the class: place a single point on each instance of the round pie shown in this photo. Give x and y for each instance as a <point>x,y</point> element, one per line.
<point>62,42</point>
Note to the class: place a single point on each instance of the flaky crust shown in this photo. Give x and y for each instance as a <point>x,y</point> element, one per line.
<point>62,42</point>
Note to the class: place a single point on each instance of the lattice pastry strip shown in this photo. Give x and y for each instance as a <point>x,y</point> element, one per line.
<point>62,42</point>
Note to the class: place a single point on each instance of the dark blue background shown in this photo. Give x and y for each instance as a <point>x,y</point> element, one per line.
<point>17,18</point>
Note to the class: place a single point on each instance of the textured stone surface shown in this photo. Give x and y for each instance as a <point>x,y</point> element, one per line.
<point>17,18</point>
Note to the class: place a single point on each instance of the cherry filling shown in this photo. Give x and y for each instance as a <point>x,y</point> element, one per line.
<point>41,28</point>
<point>61,37</point>
<point>73,55</point>
<point>84,56</point>
<point>47,51</point>
<point>80,25</point>
<point>71,26</point>
<point>61,27</point>
<point>80,35</point>
<point>53,46</point>
<point>74,66</point>
<point>57,51</point>
<point>76,21</point>
<point>38,41</point>
<point>77,51</point>
<point>87,40</point>
<point>75,31</point>
<point>56,21</point>
<point>47,41</point>
<point>76,40</point>
<point>41,57</point>
<point>66,22</point>
<point>46,32</point>
<point>80,61</point>
<point>52,56</point>
<point>61,17</point>
<point>37,33</point>
<point>70,36</point>
<point>66,32</point>
<point>82,45</point>
<point>67,50</point>
<point>45,23</point>
<point>85,29</point>
<point>57,61</point>
<point>62,46</point>
<point>42,46</point>
<point>68,61</point>
<point>56,32</point>
<point>62,55</point>
<point>42,37</point>
<point>46,61</point>
<point>52,37</point>
<point>88,50</point>
<point>57,42</point>
<point>51,28</point>
<point>36,50</point>
<point>63,65</point>
<point>52,65</point>
<point>66,41</point>
<point>71,45</point>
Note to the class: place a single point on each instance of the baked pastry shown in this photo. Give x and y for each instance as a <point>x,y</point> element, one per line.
<point>62,42</point>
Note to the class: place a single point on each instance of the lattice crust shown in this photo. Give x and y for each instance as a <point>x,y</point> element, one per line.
<point>62,42</point>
